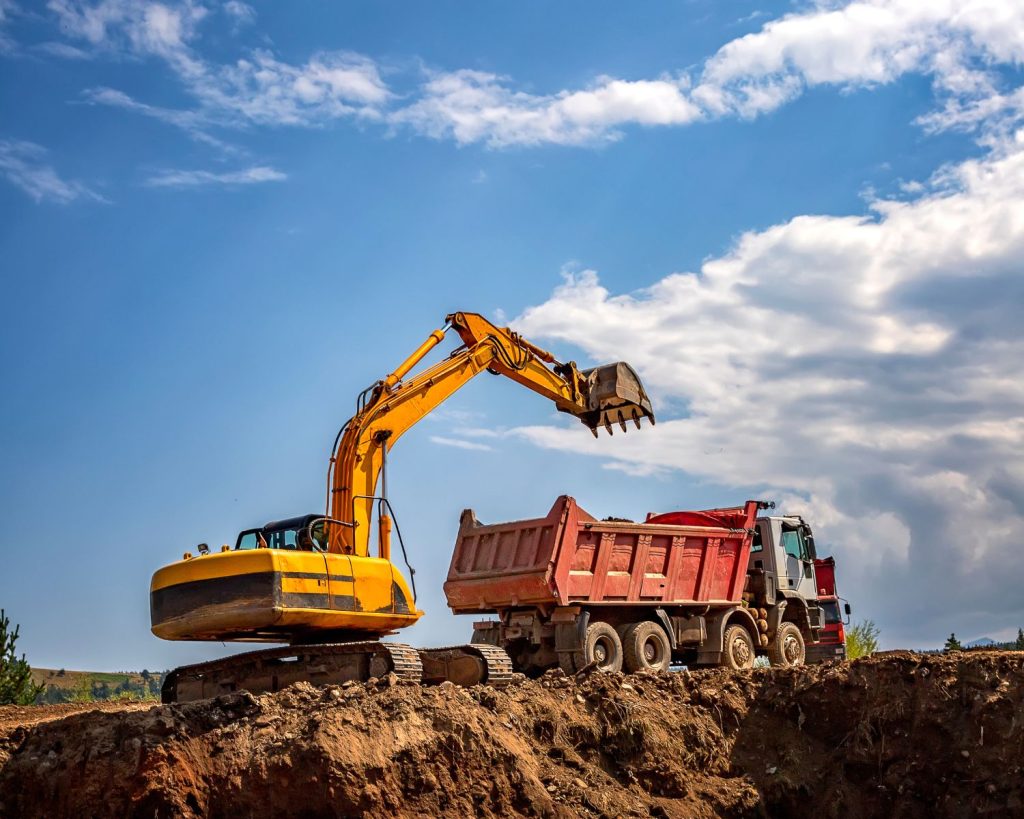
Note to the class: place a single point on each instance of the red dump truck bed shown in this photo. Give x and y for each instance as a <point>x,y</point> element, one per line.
<point>569,556</point>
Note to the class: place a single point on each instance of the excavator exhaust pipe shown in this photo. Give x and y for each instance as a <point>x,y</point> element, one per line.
<point>616,396</point>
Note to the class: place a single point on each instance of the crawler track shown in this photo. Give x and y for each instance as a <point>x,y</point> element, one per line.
<point>471,664</point>
<point>332,663</point>
<point>275,668</point>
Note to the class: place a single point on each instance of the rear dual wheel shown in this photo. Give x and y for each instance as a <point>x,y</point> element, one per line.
<point>737,648</point>
<point>601,647</point>
<point>645,647</point>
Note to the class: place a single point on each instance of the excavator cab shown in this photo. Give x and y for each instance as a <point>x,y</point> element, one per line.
<point>305,533</point>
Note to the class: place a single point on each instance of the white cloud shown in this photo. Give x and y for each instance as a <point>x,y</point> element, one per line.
<point>7,9</point>
<point>868,371</point>
<point>956,42</point>
<point>62,50</point>
<point>194,179</point>
<point>458,443</point>
<point>24,164</point>
<point>241,13</point>
<point>258,88</point>
<point>191,122</point>
<point>960,44</point>
<point>475,106</point>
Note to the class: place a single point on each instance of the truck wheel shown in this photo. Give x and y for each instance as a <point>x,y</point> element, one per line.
<point>646,648</point>
<point>787,647</point>
<point>601,646</point>
<point>737,648</point>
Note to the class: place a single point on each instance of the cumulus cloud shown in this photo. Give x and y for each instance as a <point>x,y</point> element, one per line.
<point>965,46</point>
<point>866,371</point>
<point>864,43</point>
<point>24,164</point>
<point>474,106</point>
<point>241,13</point>
<point>258,88</point>
<point>194,179</point>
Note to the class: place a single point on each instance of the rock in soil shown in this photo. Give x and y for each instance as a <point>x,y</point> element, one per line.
<point>898,734</point>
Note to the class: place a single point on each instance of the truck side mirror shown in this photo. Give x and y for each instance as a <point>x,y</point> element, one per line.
<point>847,609</point>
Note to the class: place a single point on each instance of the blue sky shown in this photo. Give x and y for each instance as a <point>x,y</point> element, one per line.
<point>802,222</point>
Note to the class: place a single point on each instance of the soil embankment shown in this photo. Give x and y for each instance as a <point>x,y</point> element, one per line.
<point>897,735</point>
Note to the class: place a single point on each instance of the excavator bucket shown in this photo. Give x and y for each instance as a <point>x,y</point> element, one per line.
<point>616,396</point>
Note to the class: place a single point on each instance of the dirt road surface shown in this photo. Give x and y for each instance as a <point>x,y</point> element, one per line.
<point>899,735</point>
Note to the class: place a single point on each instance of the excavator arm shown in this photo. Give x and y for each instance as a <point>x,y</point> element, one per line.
<point>603,396</point>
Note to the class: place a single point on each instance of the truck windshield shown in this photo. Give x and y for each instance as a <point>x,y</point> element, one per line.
<point>830,608</point>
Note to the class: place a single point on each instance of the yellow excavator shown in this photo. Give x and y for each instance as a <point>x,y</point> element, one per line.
<point>311,581</point>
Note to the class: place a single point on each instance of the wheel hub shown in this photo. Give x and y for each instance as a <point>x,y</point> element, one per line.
<point>791,650</point>
<point>740,651</point>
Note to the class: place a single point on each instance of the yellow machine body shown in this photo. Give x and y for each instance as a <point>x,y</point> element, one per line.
<point>277,595</point>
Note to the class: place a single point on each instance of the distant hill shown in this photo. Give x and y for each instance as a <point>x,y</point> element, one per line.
<point>63,685</point>
<point>981,642</point>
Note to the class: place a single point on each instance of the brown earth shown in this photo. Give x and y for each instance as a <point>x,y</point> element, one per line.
<point>896,735</point>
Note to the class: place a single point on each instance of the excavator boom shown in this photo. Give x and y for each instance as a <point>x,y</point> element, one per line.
<point>599,397</point>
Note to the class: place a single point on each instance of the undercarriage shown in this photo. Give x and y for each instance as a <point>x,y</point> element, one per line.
<point>333,663</point>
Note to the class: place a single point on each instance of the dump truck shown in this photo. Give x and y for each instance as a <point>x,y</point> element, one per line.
<point>700,588</point>
<point>831,643</point>
<point>313,582</point>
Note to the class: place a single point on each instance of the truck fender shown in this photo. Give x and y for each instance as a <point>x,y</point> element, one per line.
<point>667,625</point>
<point>775,616</point>
<point>716,627</point>
<point>798,607</point>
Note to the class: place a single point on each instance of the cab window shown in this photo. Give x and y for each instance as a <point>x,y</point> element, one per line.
<point>792,545</point>
<point>281,539</point>
<point>247,540</point>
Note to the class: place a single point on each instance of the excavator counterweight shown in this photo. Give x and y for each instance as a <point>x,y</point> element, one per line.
<point>312,581</point>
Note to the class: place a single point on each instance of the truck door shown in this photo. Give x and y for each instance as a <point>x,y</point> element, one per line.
<point>791,557</point>
<point>799,561</point>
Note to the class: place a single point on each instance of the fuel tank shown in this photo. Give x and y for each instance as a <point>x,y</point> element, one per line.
<point>278,595</point>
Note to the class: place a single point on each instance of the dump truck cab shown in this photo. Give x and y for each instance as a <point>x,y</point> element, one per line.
<point>781,581</point>
<point>783,549</point>
<point>831,643</point>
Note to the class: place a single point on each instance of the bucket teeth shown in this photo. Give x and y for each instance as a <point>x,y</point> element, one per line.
<point>608,424</point>
<point>636,418</point>
<point>622,421</point>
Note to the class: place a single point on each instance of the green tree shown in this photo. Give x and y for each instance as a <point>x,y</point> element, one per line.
<point>83,690</point>
<point>1018,644</point>
<point>16,686</point>
<point>953,644</point>
<point>862,640</point>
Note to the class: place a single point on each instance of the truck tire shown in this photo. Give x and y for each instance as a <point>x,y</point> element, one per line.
<point>787,646</point>
<point>601,647</point>
<point>645,647</point>
<point>737,647</point>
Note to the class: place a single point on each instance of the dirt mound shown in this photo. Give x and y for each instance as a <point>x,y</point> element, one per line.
<point>896,735</point>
